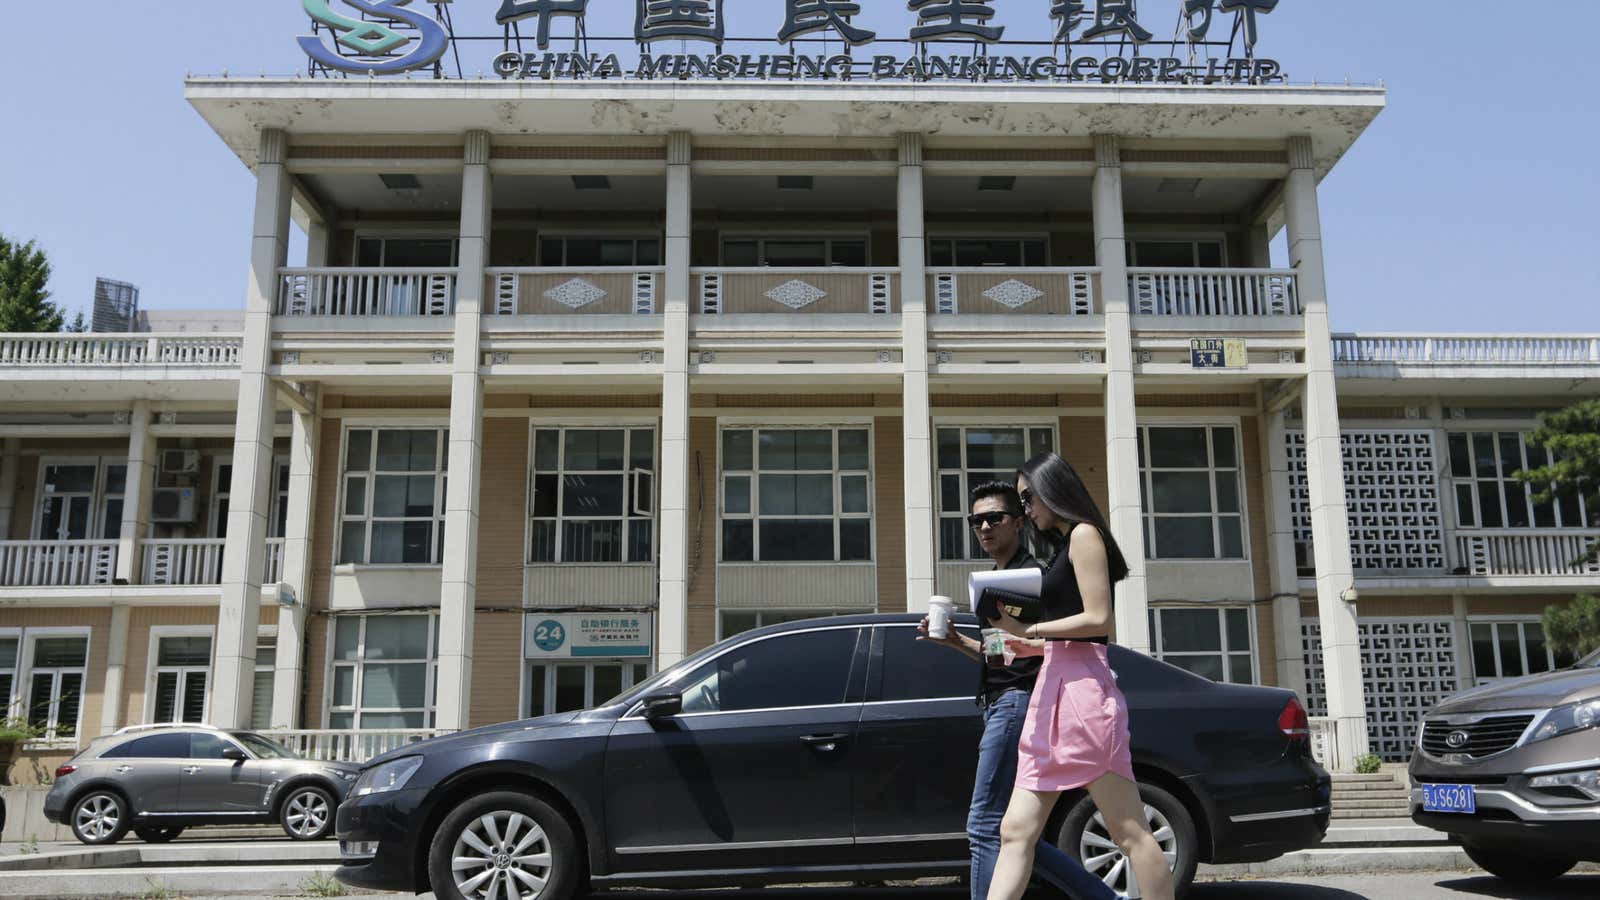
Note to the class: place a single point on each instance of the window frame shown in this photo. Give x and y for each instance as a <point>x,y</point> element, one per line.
<point>627,427</point>
<point>783,615</point>
<point>266,636</point>
<point>441,473</point>
<point>385,235</point>
<point>761,237</point>
<point>1147,513</point>
<point>1520,623</point>
<point>833,426</point>
<point>622,235</point>
<point>1474,483</point>
<point>545,705</point>
<point>1193,240</point>
<point>676,683</point>
<point>153,670</point>
<point>11,699</point>
<point>952,237</point>
<point>99,497</point>
<point>941,515</point>
<point>221,492</point>
<point>1159,651</point>
<point>26,651</point>
<point>359,664</point>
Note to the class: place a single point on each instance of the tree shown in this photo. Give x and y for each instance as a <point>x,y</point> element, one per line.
<point>1570,439</point>
<point>77,326</point>
<point>24,303</point>
<point>1574,629</point>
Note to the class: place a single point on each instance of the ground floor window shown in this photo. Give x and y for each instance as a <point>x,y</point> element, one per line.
<point>1213,643</point>
<point>8,675</point>
<point>261,695</point>
<point>738,621</point>
<point>56,667</point>
<point>384,671</point>
<point>179,678</point>
<point>555,687</point>
<point>1509,649</point>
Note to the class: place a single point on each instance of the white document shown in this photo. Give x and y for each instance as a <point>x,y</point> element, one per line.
<point>1024,581</point>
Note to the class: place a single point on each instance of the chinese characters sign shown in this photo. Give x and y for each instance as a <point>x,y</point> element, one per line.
<point>586,635</point>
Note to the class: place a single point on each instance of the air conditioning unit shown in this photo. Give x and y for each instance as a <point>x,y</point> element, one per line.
<point>172,505</point>
<point>180,462</point>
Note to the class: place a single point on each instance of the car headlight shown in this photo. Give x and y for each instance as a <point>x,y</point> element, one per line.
<point>1586,783</point>
<point>1567,719</point>
<point>390,776</point>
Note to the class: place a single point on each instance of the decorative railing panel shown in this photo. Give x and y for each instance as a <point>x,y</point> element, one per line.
<point>178,562</point>
<point>1213,292</point>
<point>367,292</point>
<point>1007,291</point>
<point>1465,348</point>
<point>128,350</point>
<point>597,291</point>
<point>811,291</point>
<point>1324,741</point>
<point>1391,490</point>
<point>1530,552</point>
<point>352,746</point>
<point>57,563</point>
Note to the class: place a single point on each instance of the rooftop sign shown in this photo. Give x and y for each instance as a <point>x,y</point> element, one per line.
<point>1090,40</point>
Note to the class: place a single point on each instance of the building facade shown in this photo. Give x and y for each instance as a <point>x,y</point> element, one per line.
<point>577,378</point>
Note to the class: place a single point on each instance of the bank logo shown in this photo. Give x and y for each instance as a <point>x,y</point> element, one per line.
<point>378,48</point>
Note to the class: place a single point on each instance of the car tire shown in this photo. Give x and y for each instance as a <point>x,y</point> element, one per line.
<point>100,817</point>
<point>307,812</point>
<point>1083,836</point>
<point>153,835</point>
<point>546,864</point>
<point>1518,867</point>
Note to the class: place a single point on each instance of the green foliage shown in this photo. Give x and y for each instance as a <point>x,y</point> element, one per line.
<point>24,303</point>
<point>1368,763</point>
<point>78,325</point>
<point>29,846</point>
<point>155,890</point>
<point>1574,629</point>
<point>18,730</point>
<point>320,885</point>
<point>1571,438</point>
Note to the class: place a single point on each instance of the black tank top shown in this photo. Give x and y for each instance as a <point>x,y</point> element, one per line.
<point>1058,591</point>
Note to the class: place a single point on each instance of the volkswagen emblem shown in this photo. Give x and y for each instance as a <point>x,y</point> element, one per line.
<point>1455,740</point>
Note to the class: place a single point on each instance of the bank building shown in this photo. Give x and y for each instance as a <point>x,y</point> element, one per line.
<point>580,374</point>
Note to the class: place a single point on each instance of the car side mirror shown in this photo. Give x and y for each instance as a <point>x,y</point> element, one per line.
<point>661,706</point>
<point>233,753</point>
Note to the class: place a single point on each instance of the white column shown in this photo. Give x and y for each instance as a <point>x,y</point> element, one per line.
<point>1463,634</point>
<point>239,615</point>
<point>458,590</point>
<point>1284,574</point>
<point>1330,529</point>
<point>295,578</point>
<point>319,244</point>
<point>918,464</point>
<point>672,613</point>
<point>115,691</point>
<point>9,452</point>
<point>136,495</point>
<point>1122,419</point>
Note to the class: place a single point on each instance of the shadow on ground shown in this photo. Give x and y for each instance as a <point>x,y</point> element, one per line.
<point>1572,886</point>
<point>1263,890</point>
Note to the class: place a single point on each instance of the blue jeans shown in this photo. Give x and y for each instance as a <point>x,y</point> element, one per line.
<point>997,773</point>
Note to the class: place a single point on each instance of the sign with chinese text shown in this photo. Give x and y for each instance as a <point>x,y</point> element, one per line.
<point>586,635</point>
<point>1217,353</point>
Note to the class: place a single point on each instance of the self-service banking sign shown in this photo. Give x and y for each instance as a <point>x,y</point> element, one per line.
<point>587,635</point>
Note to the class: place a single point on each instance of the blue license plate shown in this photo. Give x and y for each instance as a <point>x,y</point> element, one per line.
<point>1449,798</point>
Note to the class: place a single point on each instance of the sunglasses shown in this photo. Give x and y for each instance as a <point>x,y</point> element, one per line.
<point>991,519</point>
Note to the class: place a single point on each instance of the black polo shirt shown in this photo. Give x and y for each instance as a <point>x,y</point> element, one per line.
<point>1022,672</point>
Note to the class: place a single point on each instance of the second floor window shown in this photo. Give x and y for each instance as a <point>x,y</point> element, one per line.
<point>1212,643</point>
<point>970,456</point>
<point>81,500</point>
<point>599,251</point>
<point>1193,505</point>
<point>394,490</point>
<point>406,252</point>
<point>947,253</point>
<point>796,495</point>
<point>794,252</point>
<point>593,495</point>
<point>1488,495</point>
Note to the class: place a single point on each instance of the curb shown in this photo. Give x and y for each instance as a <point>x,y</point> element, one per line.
<point>249,880</point>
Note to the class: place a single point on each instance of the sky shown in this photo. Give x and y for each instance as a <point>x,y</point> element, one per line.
<point>1466,206</point>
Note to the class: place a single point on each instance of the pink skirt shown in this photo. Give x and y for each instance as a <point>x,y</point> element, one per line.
<point>1077,724</point>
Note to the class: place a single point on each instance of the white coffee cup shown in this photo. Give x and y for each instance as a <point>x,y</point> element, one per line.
<point>940,609</point>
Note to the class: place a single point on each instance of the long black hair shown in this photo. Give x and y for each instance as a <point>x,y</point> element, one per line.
<point>1053,482</point>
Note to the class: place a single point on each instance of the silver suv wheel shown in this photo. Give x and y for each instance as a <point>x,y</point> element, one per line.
<point>100,818</point>
<point>306,814</point>
<point>502,853</point>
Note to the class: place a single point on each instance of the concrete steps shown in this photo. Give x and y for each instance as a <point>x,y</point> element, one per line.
<point>1381,795</point>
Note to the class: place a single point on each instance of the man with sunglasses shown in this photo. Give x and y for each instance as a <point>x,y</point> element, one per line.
<point>1003,693</point>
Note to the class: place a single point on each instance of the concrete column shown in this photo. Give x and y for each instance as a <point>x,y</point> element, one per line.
<point>1463,634</point>
<point>1122,419</point>
<point>319,244</point>
<point>918,464</point>
<point>1330,529</point>
<point>295,580</point>
<point>458,589</point>
<point>10,450</point>
<point>1258,250</point>
<point>136,495</point>
<point>115,689</point>
<point>672,613</point>
<point>1285,577</point>
<point>239,616</point>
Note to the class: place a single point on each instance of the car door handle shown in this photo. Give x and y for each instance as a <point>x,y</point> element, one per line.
<point>826,743</point>
<point>191,770</point>
<point>123,770</point>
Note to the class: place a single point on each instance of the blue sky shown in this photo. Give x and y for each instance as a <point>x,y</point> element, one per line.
<point>1470,205</point>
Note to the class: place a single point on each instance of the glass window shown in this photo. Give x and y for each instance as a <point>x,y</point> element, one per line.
<point>794,252</point>
<point>556,687</point>
<point>55,684</point>
<point>1214,643</point>
<point>1192,493</point>
<point>594,251</point>
<point>1509,649</point>
<point>261,695</point>
<point>394,491</point>
<point>1483,467</point>
<point>593,495</point>
<point>178,682</point>
<point>919,670</point>
<point>208,746</point>
<point>406,253</point>
<point>1166,254</point>
<point>972,252</point>
<point>738,621</point>
<point>796,494</point>
<point>167,745</point>
<point>970,456</point>
<point>761,675</point>
<point>384,668</point>
<point>8,674</point>
<point>81,500</point>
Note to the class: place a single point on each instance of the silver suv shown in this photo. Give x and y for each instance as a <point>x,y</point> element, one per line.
<point>158,780</point>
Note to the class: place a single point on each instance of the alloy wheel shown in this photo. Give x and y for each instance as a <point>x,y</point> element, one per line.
<point>306,814</point>
<point>1106,861</point>
<point>98,817</point>
<point>502,855</point>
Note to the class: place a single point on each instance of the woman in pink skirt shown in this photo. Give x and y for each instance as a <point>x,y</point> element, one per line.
<point>1076,732</point>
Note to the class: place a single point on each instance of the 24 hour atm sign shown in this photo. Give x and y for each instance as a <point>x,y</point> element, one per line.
<point>565,635</point>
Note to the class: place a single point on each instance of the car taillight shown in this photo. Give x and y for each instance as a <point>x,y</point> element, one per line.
<point>64,771</point>
<point>1293,722</point>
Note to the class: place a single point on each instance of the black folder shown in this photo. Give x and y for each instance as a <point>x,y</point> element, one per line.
<point>1021,607</point>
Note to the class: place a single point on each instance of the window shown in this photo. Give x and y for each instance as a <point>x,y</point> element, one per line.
<point>1212,643</point>
<point>796,495</point>
<point>261,695</point>
<point>589,250</point>
<point>394,490</point>
<point>555,687</point>
<point>593,495</point>
<point>738,621</point>
<point>167,745</point>
<point>965,252</point>
<point>919,670</point>
<point>81,500</point>
<point>8,675</point>
<point>178,682</point>
<point>383,671</point>
<point>1510,649</point>
<point>1483,465</point>
<point>208,746</point>
<point>406,252</point>
<point>761,675</point>
<point>55,683</point>
<point>969,457</point>
<point>794,252</point>
<point>1191,493</point>
<point>278,515</point>
<point>1178,254</point>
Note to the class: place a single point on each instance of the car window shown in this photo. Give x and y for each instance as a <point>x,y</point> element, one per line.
<point>207,746</point>
<point>811,668</point>
<point>923,670</point>
<point>261,747</point>
<point>156,746</point>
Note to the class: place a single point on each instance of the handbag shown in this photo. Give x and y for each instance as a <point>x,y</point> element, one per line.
<point>1025,609</point>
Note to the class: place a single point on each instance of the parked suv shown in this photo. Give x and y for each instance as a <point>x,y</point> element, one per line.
<point>158,780</point>
<point>1512,770</point>
<point>827,749</point>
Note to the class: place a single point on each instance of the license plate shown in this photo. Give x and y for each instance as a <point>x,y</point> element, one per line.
<point>1449,798</point>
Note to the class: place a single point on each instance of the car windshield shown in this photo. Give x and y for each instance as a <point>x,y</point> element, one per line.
<point>261,747</point>
<point>665,675</point>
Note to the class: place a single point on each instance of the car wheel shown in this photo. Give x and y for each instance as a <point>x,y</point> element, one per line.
<point>100,817</point>
<point>1084,837</point>
<point>504,844</point>
<point>1519,867</point>
<point>157,835</point>
<point>307,813</point>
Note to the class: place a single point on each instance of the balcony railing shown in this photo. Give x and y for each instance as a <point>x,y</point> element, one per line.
<point>1465,348</point>
<point>180,562</point>
<point>619,290</point>
<point>831,290</point>
<point>367,292</point>
<point>1532,552</point>
<point>1213,292</point>
<point>126,350</point>
<point>57,563</point>
<point>332,745</point>
<point>273,569</point>
<point>1007,291</point>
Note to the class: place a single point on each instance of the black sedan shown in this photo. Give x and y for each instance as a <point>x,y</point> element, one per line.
<point>829,749</point>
